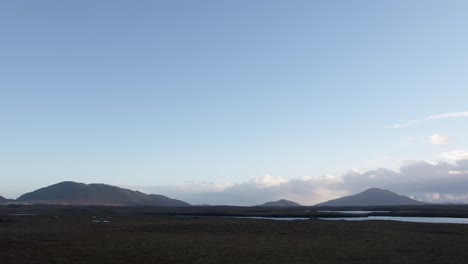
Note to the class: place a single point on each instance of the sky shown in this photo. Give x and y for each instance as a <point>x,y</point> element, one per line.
<point>236,102</point>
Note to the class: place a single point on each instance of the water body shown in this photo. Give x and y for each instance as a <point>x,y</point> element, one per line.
<point>100,221</point>
<point>22,214</point>
<point>439,220</point>
<point>250,217</point>
<point>352,212</point>
<point>273,218</point>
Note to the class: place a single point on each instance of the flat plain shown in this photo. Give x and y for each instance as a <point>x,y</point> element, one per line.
<point>69,234</point>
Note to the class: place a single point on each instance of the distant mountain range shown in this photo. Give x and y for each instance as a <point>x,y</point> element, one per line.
<point>372,197</point>
<point>74,193</point>
<point>281,203</point>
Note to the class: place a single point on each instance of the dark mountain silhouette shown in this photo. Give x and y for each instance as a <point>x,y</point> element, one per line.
<point>95,194</point>
<point>281,203</point>
<point>372,197</point>
<point>2,199</point>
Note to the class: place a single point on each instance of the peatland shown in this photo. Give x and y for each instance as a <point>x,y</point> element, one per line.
<point>80,234</point>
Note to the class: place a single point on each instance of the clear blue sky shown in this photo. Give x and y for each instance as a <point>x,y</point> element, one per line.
<point>165,92</point>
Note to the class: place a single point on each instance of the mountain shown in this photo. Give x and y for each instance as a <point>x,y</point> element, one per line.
<point>95,194</point>
<point>281,203</point>
<point>2,199</point>
<point>372,197</point>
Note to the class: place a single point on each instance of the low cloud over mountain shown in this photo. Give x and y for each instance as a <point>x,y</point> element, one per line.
<point>425,181</point>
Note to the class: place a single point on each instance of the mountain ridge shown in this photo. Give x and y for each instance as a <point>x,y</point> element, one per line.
<point>372,197</point>
<point>281,203</point>
<point>75,193</point>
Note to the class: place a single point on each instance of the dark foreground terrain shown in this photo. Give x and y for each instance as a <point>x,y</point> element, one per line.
<point>58,234</point>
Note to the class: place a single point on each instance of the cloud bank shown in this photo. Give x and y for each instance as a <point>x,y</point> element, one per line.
<point>432,182</point>
<point>429,118</point>
<point>459,154</point>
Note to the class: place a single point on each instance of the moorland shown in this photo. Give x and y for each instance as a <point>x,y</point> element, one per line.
<point>94,234</point>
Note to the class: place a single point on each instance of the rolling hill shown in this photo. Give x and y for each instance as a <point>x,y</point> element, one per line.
<point>372,197</point>
<point>95,194</point>
<point>281,203</point>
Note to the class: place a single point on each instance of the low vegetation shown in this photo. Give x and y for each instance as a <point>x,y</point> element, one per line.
<point>65,234</point>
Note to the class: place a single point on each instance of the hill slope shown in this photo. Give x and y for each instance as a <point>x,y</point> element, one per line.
<point>95,194</point>
<point>372,197</point>
<point>281,203</point>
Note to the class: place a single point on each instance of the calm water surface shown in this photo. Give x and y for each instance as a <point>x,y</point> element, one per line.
<point>272,218</point>
<point>352,212</point>
<point>440,220</point>
<point>22,214</point>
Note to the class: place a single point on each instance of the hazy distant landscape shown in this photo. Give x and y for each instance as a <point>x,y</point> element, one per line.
<point>74,193</point>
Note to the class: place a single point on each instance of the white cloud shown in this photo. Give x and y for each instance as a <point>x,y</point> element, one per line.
<point>268,181</point>
<point>429,118</point>
<point>432,197</point>
<point>457,172</point>
<point>459,154</point>
<point>427,181</point>
<point>437,139</point>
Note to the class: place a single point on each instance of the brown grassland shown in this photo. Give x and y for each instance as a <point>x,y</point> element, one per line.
<point>61,234</point>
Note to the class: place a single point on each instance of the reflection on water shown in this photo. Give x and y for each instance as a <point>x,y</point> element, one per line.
<point>22,214</point>
<point>271,218</point>
<point>440,220</point>
<point>352,212</point>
